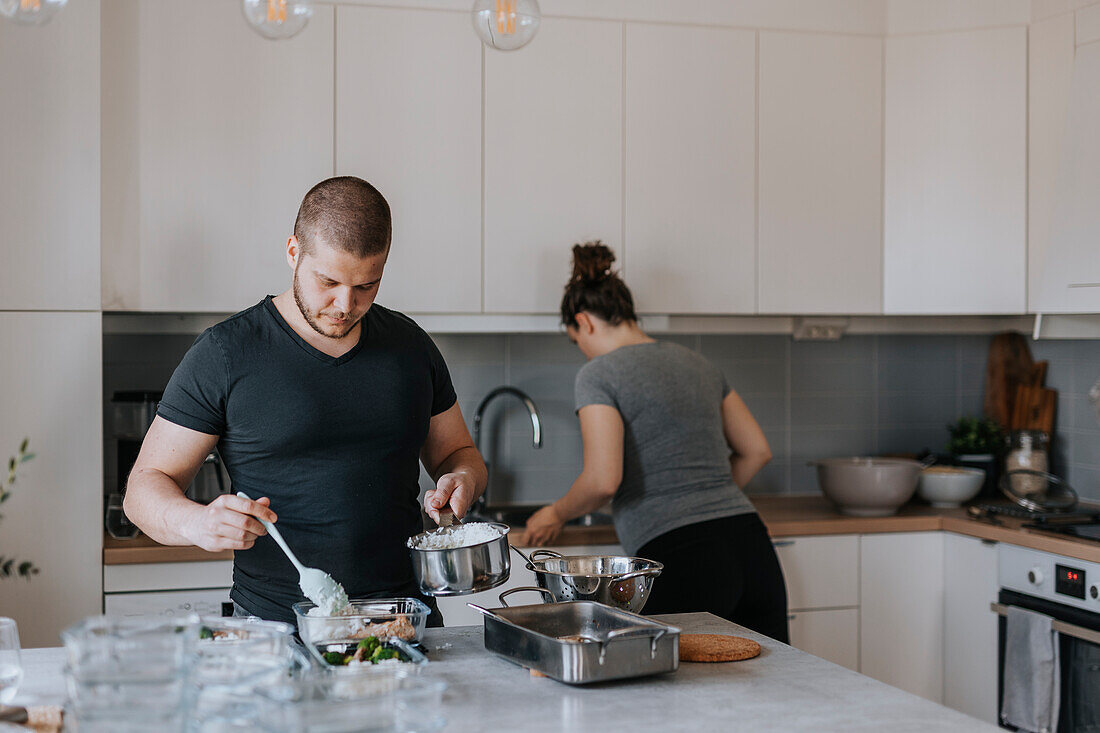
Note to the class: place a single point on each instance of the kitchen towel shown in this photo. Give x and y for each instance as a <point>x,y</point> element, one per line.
<point>1032,679</point>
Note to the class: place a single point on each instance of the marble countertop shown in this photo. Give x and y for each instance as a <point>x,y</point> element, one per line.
<point>781,690</point>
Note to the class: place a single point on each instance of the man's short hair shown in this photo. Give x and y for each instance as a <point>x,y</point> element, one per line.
<point>346,213</point>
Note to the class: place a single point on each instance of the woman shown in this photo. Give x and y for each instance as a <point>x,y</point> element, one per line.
<point>669,444</point>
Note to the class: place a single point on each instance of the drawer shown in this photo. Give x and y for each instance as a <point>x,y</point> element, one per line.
<point>832,635</point>
<point>167,576</point>
<point>821,572</point>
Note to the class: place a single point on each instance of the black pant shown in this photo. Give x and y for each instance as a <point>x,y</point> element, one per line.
<point>726,566</point>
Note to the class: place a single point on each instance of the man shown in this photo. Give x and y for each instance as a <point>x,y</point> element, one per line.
<point>320,403</point>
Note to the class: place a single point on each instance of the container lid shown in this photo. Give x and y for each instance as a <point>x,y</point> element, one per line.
<point>1038,491</point>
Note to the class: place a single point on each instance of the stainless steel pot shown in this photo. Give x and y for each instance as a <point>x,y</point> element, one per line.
<point>614,580</point>
<point>461,570</point>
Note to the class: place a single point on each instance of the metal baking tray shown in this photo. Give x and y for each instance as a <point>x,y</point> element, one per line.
<point>580,642</point>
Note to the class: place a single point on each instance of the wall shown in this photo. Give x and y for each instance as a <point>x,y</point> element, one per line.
<point>859,395</point>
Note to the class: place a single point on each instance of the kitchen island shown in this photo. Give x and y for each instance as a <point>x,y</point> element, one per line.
<point>781,690</point>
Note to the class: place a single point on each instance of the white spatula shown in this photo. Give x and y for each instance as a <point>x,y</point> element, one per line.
<point>317,585</point>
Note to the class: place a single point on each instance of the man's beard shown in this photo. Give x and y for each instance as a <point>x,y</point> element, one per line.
<point>310,319</point>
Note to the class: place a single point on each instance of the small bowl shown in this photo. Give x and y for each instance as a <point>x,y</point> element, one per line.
<point>369,613</point>
<point>949,486</point>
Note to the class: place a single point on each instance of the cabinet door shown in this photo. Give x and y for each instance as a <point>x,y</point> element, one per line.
<point>956,198</point>
<point>901,611</point>
<point>830,634</point>
<point>820,572</point>
<point>690,122</point>
<point>49,155</point>
<point>413,129</point>
<point>553,159</point>
<point>1050,72</point>
<point>51,389</point>
<point>820,174</point>
<point>970,628</point>
<point>232,131</point>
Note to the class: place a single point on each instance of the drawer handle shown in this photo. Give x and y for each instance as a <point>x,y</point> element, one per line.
<point>782,543</point>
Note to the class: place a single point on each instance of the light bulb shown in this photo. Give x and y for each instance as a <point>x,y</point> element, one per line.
<point>506,24</point>
<point>277,19</point>
<point>30,12</point>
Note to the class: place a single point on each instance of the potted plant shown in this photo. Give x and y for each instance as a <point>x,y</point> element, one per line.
<point>976,442</point>
<point>10,566</point>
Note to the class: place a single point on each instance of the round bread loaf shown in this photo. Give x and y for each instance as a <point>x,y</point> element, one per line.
<point>716,648</point>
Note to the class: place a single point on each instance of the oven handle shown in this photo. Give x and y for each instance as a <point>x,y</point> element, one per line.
<point>1071,630</point>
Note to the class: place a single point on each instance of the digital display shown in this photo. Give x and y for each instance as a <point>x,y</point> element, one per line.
<point>1069,581</point>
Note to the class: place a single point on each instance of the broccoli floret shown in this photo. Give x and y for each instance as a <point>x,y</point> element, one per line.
<point>369,645</point>
<point>336,659</point>
<point>383,653</point>
<point>206,633</point>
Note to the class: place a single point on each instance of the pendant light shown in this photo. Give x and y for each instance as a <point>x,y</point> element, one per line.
<point>30,12</point>
<point>277,19</point>
<point>506,24</point>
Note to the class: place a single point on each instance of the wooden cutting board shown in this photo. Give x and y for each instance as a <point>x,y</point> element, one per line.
<point>1009,365</point>
<point>1034,409</point>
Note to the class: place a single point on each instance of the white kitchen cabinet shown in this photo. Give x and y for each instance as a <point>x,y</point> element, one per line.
<point>1068,280</point>
<point>820,571</point>
<point>901,611</point>
<point>49,155</point>
<point>970,628</point>
<point>51,389</point>
<point>457,613</point>
<point>553,159</point>
<point>831,634</point>
<point>820,174</point>
<point>956,173</point>
<point>1050,72</point>
<point>215,136</point>
<point>822,578</point>
<point>690,125</point>
<point>413,129</point>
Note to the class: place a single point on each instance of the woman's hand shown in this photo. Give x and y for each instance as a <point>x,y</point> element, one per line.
<point>543,527</point>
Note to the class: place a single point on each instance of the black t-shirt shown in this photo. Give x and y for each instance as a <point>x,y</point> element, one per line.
<point>334,442</point>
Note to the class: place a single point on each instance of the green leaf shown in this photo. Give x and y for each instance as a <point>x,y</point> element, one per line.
<point>27,457</point>
<point>27,569</point>
<point>11,465</point>
<point>24,444</point>
<point>5,568</point>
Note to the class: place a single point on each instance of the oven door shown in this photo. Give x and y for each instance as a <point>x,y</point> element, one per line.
<point>1079,655</point>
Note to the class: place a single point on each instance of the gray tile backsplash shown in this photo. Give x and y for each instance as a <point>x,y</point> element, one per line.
<point>862,394</point>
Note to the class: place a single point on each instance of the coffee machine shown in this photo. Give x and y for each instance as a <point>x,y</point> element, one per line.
<point>133,414</point>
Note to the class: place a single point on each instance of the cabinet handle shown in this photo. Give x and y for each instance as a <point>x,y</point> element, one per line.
<point>791,616</point>
<point>782,543</point>
<point>989,542</point>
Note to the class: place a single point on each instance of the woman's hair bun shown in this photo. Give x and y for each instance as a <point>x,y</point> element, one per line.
<point>592,262</point>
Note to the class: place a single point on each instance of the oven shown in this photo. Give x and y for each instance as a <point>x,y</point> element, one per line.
<point>1068,591</point>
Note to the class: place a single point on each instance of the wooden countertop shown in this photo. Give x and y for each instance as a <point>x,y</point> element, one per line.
<point>785,516</point>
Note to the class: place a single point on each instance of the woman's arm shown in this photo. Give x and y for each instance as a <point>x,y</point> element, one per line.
<point>745,438</point>
<point>602,436</point>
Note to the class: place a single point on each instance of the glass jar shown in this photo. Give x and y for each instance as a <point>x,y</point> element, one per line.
<point>1028,449</point>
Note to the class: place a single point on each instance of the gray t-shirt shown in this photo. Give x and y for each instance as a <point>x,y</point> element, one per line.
<point>676,468</point>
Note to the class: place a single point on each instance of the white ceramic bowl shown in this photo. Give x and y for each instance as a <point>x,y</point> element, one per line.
<point>950,486</point>
<point>867,487</point>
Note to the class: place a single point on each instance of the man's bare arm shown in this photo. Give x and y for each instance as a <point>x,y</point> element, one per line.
<point>453,463</point>
<point>170,457</point>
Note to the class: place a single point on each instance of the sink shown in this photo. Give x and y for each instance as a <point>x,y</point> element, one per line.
<point>515,516</point>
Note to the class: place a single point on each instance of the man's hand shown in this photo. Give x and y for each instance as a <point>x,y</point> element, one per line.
<point>543,527</point>
<point>456,490</point>
<point>228,523</point>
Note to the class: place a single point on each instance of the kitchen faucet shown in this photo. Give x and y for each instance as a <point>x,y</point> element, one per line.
<point>536,429</point>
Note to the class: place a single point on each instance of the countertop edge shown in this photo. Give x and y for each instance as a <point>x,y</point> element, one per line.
<point>801,516</point>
